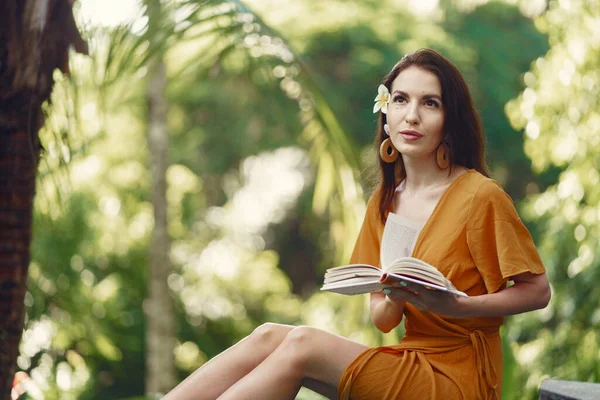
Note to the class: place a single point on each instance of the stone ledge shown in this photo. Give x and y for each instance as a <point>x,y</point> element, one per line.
<point>553,389</point>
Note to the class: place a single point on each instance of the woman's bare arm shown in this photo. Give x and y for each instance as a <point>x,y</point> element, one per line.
<point>529,292</point>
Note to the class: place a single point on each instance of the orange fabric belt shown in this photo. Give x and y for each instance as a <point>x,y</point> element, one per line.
<point>483,362</point>
<point>488,378</point>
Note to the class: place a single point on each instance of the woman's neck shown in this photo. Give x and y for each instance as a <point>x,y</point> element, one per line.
<point>425,175</point>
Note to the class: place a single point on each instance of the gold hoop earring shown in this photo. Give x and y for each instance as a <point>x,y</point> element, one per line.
<point>388,152</point>
<point>442,157</point>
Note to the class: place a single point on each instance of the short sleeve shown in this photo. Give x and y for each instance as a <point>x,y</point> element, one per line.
<point>366,249</point>
<point>499,242</point>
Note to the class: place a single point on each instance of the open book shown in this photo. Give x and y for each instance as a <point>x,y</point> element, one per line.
<point>399,237</point>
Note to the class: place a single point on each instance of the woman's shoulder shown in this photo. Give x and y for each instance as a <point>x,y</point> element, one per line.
<point>482,187</point>
<point>487,196</point>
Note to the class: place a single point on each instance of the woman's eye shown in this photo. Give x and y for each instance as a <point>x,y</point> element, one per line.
<point>399,99</point>
<point>432,103</point>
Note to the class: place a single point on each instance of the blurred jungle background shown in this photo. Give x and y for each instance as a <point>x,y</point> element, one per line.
<point>210,159</point>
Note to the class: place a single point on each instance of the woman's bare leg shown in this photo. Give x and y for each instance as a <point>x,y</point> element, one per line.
<point>305,354</point>
<point>221,372</point>
<point>322,388</point>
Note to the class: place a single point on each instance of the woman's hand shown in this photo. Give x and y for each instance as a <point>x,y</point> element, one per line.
<point>434,301</point>
<point>386,312</point>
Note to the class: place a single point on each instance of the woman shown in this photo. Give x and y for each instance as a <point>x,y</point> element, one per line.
<point>433,173</point>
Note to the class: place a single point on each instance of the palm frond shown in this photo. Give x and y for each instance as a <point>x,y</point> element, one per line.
<point>337,187</point>
<point>224,28</point>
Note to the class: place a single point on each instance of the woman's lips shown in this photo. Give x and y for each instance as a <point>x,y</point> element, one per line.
<point>410,135</point>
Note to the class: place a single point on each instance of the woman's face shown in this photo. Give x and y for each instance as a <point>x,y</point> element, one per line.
<point>415,114</point>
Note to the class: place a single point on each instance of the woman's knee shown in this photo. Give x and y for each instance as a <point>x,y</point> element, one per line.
<point>270,335</point>
<point>300,344</point>
<point>302,334</point>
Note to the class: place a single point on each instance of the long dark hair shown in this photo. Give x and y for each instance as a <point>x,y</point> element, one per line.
<point>463,130</point>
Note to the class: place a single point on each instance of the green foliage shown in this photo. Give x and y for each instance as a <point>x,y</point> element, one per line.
<point>559,114</point>
<point>502,44</point>
<point>101,214</point>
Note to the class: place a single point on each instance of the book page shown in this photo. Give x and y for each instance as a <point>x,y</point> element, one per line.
<point>361,287</point>
<point>399,238</point>
<point>390,278</point>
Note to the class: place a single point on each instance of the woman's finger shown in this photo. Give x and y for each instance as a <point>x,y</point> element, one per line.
<point>399,293</point>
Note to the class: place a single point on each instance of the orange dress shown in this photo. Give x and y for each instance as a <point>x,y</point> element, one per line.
<point>477,240</point>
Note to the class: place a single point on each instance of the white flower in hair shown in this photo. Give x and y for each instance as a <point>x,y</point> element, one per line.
<point>382,99</point>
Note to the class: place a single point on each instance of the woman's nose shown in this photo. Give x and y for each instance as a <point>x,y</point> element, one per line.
<point>412,114</point>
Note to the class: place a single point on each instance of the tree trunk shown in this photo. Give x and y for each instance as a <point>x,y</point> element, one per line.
<point>35,36</point>
<point>19,154</point>
<point>160,332</point>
